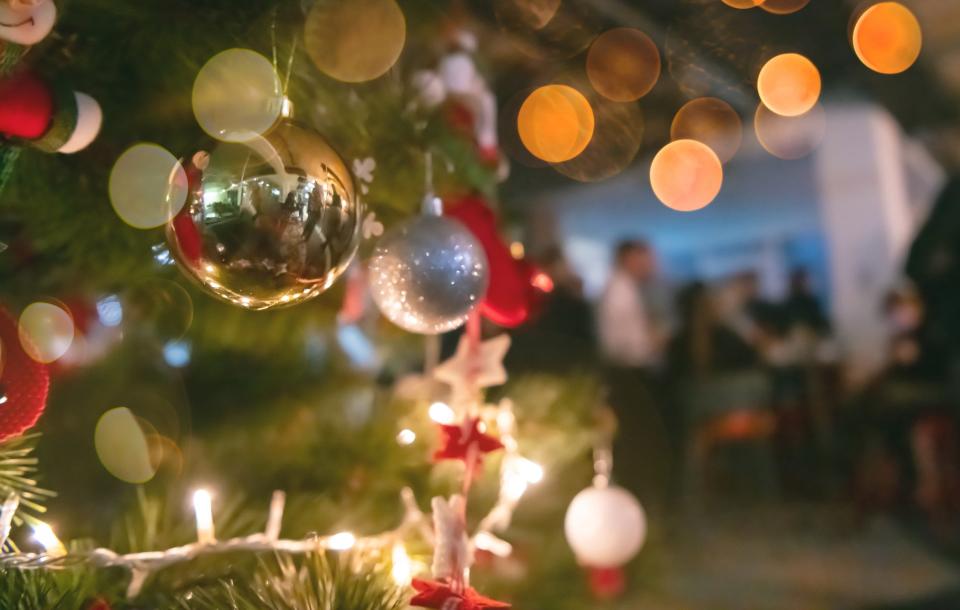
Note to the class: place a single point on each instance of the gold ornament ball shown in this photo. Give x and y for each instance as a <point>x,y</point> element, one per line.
<point>270,222</point>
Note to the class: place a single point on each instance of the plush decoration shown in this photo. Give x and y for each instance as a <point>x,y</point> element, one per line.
<point>36,111</point>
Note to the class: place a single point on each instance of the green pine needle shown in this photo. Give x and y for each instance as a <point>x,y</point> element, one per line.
<point>314,582</point>
<point>18,468</point>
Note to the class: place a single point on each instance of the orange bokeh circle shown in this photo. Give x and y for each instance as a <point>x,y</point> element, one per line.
<point>623,64</point>
<point>789,84</point>
<point>555,123</point>
<point>887,38</point>
<point>783,7</point>
<point>686,175</point>
<point>711,121</point>
<point>743,4</point>
<point>790,137</point>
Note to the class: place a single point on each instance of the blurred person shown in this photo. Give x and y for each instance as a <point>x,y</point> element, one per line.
<point>802,308</point>
<point>631,343</point>
<point>901,421</point>
<point>562,335</point>
<point>629,336</point>
<point>717,380</point>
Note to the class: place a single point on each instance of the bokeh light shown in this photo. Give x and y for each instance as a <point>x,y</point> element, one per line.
<point>789,84</point>
<point>532,14</point>
<point>618,133</point>
<point>46,331</point>
<point>546,29</point>
<point>783,7</point>
<point>122,446</point>
<point>237,95</point>
<point>623,64</point>
<point>148,186</point>
<point>743,4</point>
<point>686,175</point>
<point>712,121</point>
<point>162,306</point>
<point>555,123</point>
<point>790,137</point>
<point>355,41</point>
<point>887,38</point>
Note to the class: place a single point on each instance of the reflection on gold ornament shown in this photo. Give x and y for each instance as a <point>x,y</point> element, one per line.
<point>887,38</point>
<point>237,95</point>
<point>743,4</point>
<point>686,175</point>
<point>555,123</point>
<point>711,121</point>
<point>357,40</point>
<point>122,446</point>
<point>147,186</point>
<point>789,84</point>
<point>783,7</point>
<point>623,64</point>
<point>269,222</point>
<point>790,137</point>
<point>617,136</point>
<point>46,331</point>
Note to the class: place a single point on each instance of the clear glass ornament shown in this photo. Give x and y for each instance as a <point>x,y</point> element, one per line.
<point>428,274</point>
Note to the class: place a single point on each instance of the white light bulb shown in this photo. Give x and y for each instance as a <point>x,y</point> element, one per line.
<point>402,570</point>
<point>203,508</point>
<point>441,413</point>
<point>344,541</point>
<point>44,535</point>
<point>406,437</point>
<point>530,470</point>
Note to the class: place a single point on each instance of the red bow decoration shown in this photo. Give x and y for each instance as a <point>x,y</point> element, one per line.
<point>456,441</point>
<point>440,595</point>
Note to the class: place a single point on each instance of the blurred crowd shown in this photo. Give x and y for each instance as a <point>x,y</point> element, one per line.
<point>716,387</point>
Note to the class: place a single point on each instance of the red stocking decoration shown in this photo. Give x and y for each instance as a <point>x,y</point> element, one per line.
<point>23,382</point>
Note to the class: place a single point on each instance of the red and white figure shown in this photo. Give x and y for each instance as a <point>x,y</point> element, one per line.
<point>35,110</point>
<point>457,82</point>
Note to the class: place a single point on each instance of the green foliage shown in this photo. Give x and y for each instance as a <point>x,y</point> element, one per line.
<point>314,582</point>
<point>44,589</point>
<point>18,468</point>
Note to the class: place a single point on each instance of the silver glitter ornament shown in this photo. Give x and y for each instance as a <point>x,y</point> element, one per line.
<point>269,222</point>
<point>428,274</point>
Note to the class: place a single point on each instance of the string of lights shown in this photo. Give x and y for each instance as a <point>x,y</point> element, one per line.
<point>516,474</point>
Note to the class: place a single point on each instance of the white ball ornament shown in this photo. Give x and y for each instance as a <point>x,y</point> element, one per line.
<point>605,526</point>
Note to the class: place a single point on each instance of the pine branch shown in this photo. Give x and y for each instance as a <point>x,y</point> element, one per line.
<point>315,582</point>
<point>18,468</point>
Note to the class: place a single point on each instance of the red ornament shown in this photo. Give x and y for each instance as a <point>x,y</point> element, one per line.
<point>511,294</point>
<point>607,583</point>
<point>99,604</point>
<point>456,442</point>
<point>441,595</point>
<point>26,106</point>
<point>24,383</point>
